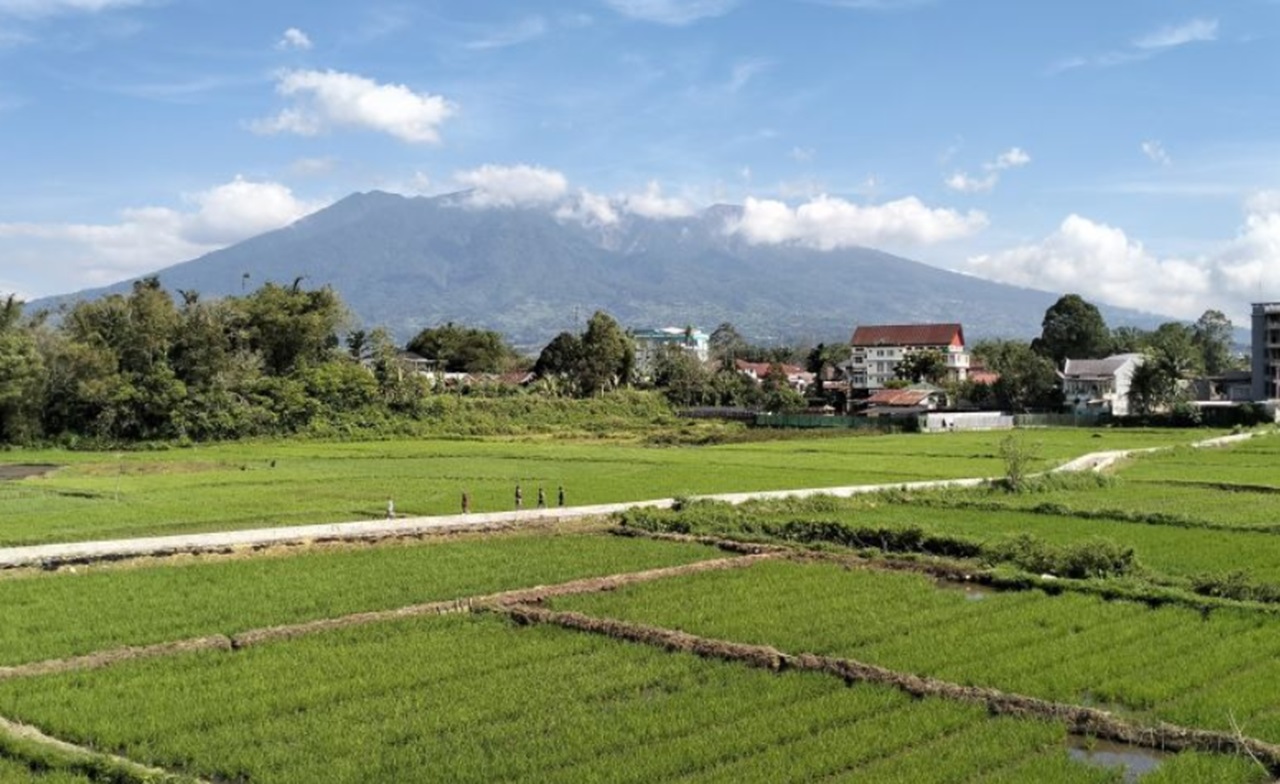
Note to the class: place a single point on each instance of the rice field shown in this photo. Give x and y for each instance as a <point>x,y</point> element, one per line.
<point>262,484</point>
<point>473,699</point>
<point>1170,663</point>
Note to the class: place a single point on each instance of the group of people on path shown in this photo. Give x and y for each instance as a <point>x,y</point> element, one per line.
<point>466,500</point>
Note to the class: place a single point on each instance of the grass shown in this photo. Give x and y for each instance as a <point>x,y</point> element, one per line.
<point>61,614</point>
<point>15,772</point>
<point>472,699</point>
<point>262,484</point>
<point>1169,663</point>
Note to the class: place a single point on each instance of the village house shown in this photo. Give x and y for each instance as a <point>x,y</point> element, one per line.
<point>877,349</point>
<point>798,378</point>
<point>1099,386</point>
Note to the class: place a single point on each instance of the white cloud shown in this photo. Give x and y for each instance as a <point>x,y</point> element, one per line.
<point>745,71</point>
<point>1193,31</point>
<point>1146,46</point>
<point>327,99</point>
<point>521,32</point>
<point>801,154</point>
<point>676,13</point>
<point>829,223</point>
<point>1012,158</point>
<point>31,9</point>
<point>294,39</point>
<point>650,203</point>
<point>512,186</point>
<point>1104,263</point>
<point>1156,152</point>
<point>148,238</point>
<point>589,209</point>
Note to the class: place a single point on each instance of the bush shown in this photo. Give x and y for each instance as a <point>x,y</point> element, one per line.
<point>1079,560</point>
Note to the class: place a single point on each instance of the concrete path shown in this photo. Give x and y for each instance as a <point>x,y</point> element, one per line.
<point>79,552</point>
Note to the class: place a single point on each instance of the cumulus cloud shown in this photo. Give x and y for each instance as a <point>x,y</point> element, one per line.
<point>828,223</point>
<point>676,13</point>
<point>1103,262</point>
<point>331,99</point>
<point>148,238</point>
<point>1012,158</point>
<point>589,209</point>
<point>293,39</point>
<point>650,203</point>
<point>1155,151</point>
<point>512,186</point>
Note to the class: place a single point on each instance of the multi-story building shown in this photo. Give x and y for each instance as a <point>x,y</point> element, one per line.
<point>650,343</point>
<point>1099,386</point>
<point>877,349</point>
<point>1266,351</point>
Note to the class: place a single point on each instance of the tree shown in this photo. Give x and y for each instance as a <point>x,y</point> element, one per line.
<point>22,376</point>
<point>1072,328</point>
<point>681,376</point>
<point>727,344</point>
<point>459,349</point>
<point>1027,379</point>
<point>608,356</point>
<point>1174,346</point>
<point>1152,386</point>
<point>922,366</point>
<point>560,357</point>
<point>290,326</point>
<point>1213,334</point>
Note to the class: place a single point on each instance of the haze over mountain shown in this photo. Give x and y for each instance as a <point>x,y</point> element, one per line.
<point>408,263</point>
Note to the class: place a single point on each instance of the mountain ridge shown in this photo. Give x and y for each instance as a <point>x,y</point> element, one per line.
<point>412,262</point>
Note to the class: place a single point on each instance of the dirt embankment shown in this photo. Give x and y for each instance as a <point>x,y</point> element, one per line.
<point>15,471</point>
<point>1079,719</point>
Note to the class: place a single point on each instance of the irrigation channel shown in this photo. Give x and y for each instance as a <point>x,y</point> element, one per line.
<point>52,555</point>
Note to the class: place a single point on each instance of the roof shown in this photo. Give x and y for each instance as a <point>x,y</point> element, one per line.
<point>900,397</point>
<point>983,376</point>
<point>761,369</point>
<point>1097,368</point>
<point>907,335</point>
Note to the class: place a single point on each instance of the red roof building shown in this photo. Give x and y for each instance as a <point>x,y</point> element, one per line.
<point>878,348</point>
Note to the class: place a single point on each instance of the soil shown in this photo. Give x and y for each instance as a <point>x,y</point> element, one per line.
<point>15,471</point>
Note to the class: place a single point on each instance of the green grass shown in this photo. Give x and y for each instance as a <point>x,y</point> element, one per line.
<point>472,699</point>
<point>1169,663</point>
<point>259,484</point>
<point>62,614</point>
<point>16,772</point>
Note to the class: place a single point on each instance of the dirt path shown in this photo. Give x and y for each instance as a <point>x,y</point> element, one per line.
<point>50,555</point>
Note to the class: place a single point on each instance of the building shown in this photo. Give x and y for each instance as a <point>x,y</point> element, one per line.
<point>1266,351</point>
<point>1099,386</point>
<point>877,350</point>
<point>650,343</point>
<point>798,378</point>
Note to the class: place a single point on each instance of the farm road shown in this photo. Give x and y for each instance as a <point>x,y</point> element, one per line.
<point>80,552</point>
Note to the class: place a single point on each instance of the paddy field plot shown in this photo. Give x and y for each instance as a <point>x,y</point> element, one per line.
<point>260,484</point>
<point>474,698</point>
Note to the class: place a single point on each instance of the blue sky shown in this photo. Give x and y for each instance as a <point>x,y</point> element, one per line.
<point>1124,150</point>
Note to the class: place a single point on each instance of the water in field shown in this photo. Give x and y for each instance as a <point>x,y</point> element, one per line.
<point>1134,760</point>
<point>973,592</point>
<point>21,471</point>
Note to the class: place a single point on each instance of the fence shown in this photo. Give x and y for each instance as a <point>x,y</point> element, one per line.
<point>968,420</point>
<point>818,421</point>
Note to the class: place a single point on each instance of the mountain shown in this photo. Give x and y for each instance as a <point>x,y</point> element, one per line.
<point>408,263</point>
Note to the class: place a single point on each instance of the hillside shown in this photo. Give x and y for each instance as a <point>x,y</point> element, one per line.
<point>407,263</point>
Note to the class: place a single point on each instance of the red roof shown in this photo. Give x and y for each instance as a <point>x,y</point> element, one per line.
<point>761,369</point>
<point>900,397</point>
<point>983,376</point>
<point>909,335</point>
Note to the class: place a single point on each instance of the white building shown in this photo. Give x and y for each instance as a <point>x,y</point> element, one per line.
<point>650,343</point>
<point>877,350</point>
<point>1266,351</point>
<point>1099,386</point>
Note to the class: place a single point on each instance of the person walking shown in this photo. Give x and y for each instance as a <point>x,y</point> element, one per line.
<point>391,509</point>
<point>519,497</point>
<point>466,502</point>
<point>560,495</point>
<point>542,498</point>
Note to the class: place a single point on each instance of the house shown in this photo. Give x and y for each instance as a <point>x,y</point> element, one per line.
<point>1099,386</point>
<point>798,378</point>
<point>1233,386</point>
<point>1266,351</point>
<point>650,343</point>
<point>922,397</point>
<point>877,349</point>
